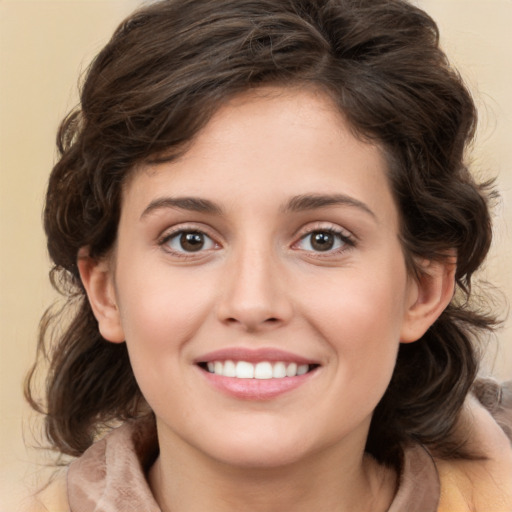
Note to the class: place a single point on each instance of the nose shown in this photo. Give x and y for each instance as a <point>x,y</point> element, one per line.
<point>253,292</point>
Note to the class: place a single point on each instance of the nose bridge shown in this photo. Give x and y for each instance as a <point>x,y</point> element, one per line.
<point>252,294</point>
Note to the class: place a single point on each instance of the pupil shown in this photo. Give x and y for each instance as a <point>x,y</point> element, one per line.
<point>322,241</point>
<point>192,241</point>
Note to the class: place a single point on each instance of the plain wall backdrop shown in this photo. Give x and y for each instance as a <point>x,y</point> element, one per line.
<point>44,47</point>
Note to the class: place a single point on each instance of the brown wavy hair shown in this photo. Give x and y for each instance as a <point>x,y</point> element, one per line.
<point>159,80</point>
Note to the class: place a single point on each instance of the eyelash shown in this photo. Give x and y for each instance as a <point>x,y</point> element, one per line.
<point>175,234</point>
<point>345,239</point>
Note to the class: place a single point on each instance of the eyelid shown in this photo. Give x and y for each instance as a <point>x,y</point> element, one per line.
<point>184,226</point>
<point>348,238</point>
<point>173,231</point>
<point>326,226</point>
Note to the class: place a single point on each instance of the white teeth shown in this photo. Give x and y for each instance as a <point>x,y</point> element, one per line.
<point>261,370</point>
<point>279,371</point>
<point>229,369</point>
<point>244,370</point>
<point>291,370</point>
<point>302,369</point>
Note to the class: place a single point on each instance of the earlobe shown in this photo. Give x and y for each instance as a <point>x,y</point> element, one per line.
<point>430,294</point>
<point>97,279</point>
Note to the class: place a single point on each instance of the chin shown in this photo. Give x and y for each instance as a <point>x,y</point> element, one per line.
<point>255,450</point>
<point>259,459</point>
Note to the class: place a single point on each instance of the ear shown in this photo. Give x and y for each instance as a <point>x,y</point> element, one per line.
<point>430,293</point>
<point>97,279</point>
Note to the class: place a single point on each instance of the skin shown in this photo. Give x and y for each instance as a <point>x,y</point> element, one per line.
<point>260,283</point>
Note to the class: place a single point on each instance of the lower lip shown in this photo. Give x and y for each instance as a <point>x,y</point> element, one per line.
<point>256,389</point>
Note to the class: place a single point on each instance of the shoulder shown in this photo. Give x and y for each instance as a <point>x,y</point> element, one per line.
<point>53,498</point>
<point>482,485</point>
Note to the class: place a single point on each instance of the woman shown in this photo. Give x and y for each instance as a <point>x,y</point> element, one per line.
<point>262,213</point>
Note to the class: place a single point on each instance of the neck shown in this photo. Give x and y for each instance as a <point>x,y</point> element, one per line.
<point>184,481</point>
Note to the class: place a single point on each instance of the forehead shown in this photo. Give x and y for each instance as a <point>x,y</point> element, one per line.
<point>276,118</point>
<point>287,141</point>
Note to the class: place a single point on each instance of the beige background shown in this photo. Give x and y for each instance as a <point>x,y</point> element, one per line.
<point>44,45</point>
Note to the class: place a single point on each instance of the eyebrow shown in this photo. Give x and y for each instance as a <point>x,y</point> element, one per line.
<point>313,201</point>
<point>193,204</point>
<point>299,203</point>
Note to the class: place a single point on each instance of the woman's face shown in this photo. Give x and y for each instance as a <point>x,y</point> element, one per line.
<point>269,249</point>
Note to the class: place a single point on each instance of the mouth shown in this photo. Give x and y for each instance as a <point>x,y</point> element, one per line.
<point>261,370</point>
<point>256,374</point>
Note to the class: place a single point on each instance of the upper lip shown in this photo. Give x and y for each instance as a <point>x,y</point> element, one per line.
<point>253,356</point>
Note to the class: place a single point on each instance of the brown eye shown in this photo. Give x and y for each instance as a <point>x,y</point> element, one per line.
<point>192,242</point>
<point>189,241</point>
<point>322,241</point>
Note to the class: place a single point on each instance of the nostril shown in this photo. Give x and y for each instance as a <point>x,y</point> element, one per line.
<point>253,324</point>
<point>270,320</point>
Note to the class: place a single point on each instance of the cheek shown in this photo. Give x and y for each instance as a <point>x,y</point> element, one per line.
<point>160,317</point>
<point>160,305</point>
<point>365,307</point>
<point>359,318</point>
<point>160,313</point>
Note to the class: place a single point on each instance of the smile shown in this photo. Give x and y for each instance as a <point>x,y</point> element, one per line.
<point>261,370</point>
<point>256,374</point>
